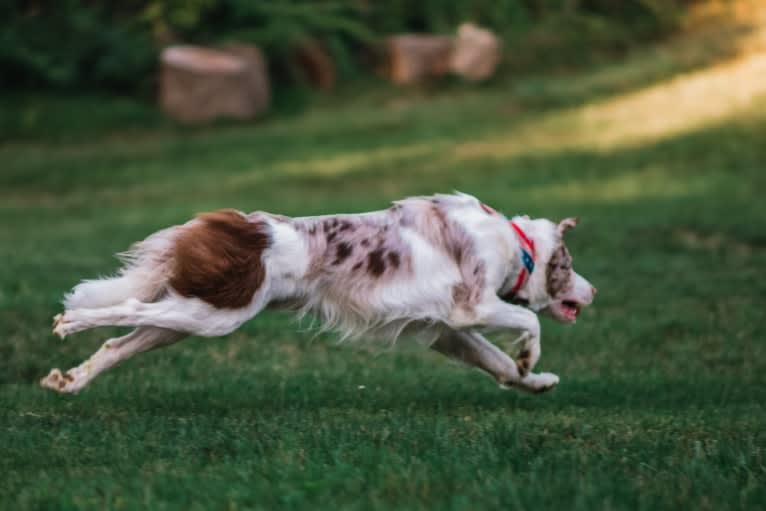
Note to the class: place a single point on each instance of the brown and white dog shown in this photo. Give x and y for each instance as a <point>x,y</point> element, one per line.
<point>444,267</point>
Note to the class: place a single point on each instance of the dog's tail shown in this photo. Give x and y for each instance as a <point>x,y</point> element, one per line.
<point>147,267</point>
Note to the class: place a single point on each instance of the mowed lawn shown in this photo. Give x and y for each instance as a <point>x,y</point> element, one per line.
<point>661,401</point>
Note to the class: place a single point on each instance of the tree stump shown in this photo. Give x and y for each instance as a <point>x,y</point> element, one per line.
<point>200,84</point>
<point>414,58</point>
<point>477,53</point>
<point>257,73</point>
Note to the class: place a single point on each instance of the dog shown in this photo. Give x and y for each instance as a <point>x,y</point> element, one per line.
<point>444,267</point>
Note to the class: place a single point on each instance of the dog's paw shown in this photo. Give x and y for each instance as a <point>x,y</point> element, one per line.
<point>64,324</point>
<point>535,383</point>
<point>59,324</point>
<point>57,320</point>
<point>539,382</point>
<point>58,381</point>
<point>546,381</point>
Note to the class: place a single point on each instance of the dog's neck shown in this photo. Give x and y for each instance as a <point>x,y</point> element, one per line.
<point>521,272</point>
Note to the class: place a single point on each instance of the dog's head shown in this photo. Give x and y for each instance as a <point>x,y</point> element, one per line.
<point>554,288</point>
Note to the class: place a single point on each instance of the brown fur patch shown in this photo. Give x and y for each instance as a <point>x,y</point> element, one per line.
<point>218,259</point>
<point>342,252</point>
<point>375,264</point>
<point>559,272</point>
<point>394,259</point>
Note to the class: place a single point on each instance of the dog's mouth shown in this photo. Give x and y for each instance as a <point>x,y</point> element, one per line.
<point>565,311</point>
<point>570,309</point>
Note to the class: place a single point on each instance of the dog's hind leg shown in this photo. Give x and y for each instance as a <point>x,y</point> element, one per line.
<point>189,315</point>
<point>473,349</point>
<point>111,353</point>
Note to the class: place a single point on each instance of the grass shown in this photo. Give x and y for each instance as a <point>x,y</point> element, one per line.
<point>661,403</point>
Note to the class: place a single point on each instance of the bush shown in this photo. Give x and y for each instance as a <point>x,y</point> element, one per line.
<point>66,44</point>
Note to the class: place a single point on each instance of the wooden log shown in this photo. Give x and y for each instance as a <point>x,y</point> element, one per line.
<point>477,53</point>
<point>414,58</point>
<point>257,74</point>
<point>200,84</point>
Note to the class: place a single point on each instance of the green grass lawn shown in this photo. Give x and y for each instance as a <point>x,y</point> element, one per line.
<point>661,403</point>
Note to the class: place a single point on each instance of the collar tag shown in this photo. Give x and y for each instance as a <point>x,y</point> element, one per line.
<point>526,258</point>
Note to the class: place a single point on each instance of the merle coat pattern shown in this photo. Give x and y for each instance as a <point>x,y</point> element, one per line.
<point>441,267</point>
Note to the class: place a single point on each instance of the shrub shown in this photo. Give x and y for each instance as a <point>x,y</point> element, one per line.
<point>69,44</point>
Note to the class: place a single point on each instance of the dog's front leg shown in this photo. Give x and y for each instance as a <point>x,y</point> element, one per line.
<point>473,349</point>
<point>496,314</point>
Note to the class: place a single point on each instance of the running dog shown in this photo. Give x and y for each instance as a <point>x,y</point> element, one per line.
<point>444,267</point>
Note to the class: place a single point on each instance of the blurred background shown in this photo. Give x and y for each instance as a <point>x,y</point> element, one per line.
<point>645,118</point>
<point>108,50</point>
<point>113,46</point>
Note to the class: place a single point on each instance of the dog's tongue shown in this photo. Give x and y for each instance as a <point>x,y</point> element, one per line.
<point>571,312</point>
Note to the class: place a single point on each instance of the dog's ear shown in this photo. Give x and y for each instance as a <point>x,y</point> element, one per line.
<point>566,224</point>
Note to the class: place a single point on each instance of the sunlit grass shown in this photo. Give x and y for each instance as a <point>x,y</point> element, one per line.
<point>649,183</point>
<point>688,102</point>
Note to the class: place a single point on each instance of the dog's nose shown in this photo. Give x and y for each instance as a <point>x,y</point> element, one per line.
<point>593,291</point>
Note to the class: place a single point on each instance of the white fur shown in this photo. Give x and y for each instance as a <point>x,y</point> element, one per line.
<point>420,296</point>
<point>143,276</point>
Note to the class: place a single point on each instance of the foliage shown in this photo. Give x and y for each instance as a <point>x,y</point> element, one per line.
<point>113,45</point>
<point>65,43</point>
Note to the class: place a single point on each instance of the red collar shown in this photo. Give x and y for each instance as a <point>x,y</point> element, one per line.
<point>527,258</point>
<point>528,253</point>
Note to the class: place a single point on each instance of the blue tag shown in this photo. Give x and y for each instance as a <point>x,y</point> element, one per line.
<point>529,263</point>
